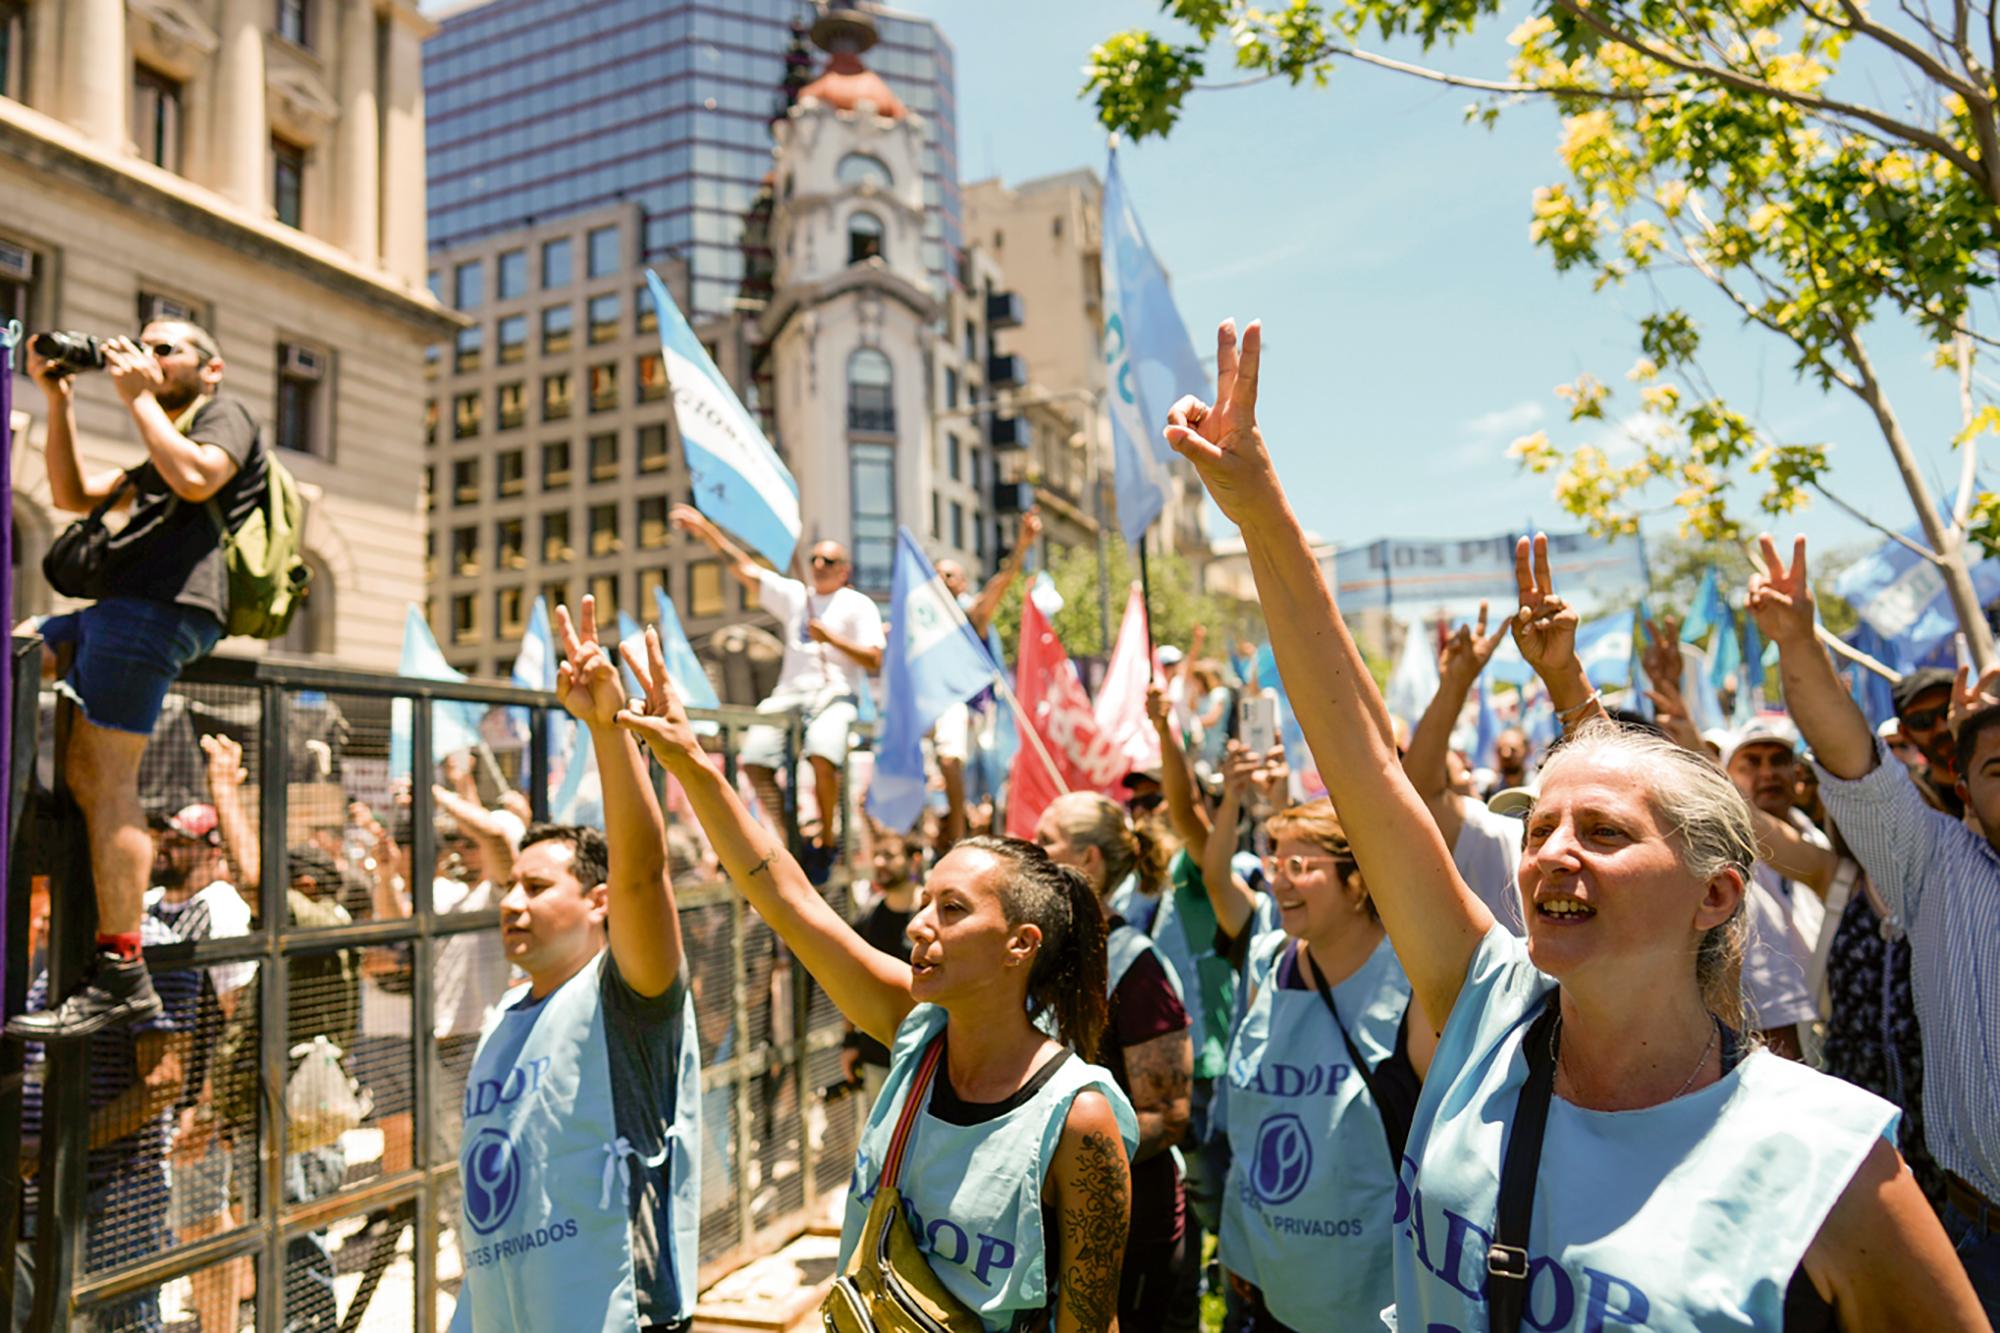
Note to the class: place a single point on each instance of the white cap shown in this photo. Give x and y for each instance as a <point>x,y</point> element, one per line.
<point>1764,729</point>
<point>1168,654</point>
<point>1514,802</point>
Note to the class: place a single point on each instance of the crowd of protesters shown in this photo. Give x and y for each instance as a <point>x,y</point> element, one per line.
<point>1649,1029</point>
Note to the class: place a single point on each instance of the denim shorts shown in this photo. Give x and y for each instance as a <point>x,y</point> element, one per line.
<point>129,652</point>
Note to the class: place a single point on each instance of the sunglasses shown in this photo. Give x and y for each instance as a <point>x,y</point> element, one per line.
<point>827,562</point>
<point>161,350</point>
<point>1925,720</point>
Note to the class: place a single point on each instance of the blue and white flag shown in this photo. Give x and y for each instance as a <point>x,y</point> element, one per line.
<point>1708,609</point>
<point>1902,597</point>
<point>690,678</point>
<point>535,669</point>
<point>933,660</point>
<point>454,724</point>
<point>1604,646</point>
<point>1486,730</point>
<point>629,633</point>
<point>1414,679</point>
<point>1728,655</point>
<point>1149,359</point>
<point>739,480</point>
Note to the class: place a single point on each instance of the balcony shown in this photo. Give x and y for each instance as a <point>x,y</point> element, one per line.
<point>1006,371</point>
<point>1013,497</point>
<point>870,410</point>
<point>1009,433</point>
<point>1003,311</point>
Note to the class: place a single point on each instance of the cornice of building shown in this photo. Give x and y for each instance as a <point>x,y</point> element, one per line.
<point>58,153</point>
<point>799,297</point>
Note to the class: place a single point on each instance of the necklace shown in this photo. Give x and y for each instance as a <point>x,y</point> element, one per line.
<point>1714,1031</point>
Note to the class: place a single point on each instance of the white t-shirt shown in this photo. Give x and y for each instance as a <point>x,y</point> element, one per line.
<point>214,912</point>
<point>1785,921</point>
<point>471,969</point>
<point>1488,856</point>
<point>811,668</point>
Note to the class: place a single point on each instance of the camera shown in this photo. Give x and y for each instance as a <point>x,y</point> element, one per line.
<point>68,353</point>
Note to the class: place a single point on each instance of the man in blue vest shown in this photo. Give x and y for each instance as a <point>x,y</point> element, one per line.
<point>582,1138</point>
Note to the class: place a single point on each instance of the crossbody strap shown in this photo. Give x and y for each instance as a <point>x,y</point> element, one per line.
<point>906,1123</point>
<point>1302,960</point>
<point>1507,1257</point>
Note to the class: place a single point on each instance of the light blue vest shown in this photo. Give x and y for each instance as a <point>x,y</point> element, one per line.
<point>973,1193</point>
<point>1687,1217</point>
<point>1190,960</point>
<point>546,1230</point>
<point>1306,1213</point>
<point>1124,947</point>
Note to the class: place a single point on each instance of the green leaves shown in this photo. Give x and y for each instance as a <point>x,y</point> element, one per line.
<point>1140,82</point>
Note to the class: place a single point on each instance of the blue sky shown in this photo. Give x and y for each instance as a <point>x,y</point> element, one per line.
<point>1412,329</point>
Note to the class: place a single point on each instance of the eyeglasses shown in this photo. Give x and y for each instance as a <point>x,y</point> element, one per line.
<point>827,562</point>
<point>1295,867</point>
<point>1924,720</point>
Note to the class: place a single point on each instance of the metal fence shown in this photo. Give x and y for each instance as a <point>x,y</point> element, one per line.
<point>295,1213</point>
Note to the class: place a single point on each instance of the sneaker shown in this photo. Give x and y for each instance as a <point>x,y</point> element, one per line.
<point>120,993</point>
<point>817,860</point>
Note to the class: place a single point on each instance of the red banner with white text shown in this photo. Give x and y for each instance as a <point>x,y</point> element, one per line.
<point>1053,702</point>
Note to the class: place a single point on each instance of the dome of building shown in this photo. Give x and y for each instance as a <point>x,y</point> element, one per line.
<point>847,83</point>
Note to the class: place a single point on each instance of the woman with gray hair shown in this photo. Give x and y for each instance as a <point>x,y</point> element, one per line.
<point>1592,1149</point>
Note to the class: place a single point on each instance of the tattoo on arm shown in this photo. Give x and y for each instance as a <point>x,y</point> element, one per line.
<point>1159,1073</point>
<point>1096,1211</point>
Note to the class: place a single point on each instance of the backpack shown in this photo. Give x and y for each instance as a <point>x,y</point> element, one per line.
<point>268,575</point>
<point>322,999</point>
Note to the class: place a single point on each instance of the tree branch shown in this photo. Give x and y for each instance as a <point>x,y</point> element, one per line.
<point>1446,78</point>
<point>1918,548</point>
<point>1968,468</point>
<point>1936,69</point>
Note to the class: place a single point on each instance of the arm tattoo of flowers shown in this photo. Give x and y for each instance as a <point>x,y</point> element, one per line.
<point>1096,1212</point>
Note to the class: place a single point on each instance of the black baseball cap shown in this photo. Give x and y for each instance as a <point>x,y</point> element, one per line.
<point>1905,691</point>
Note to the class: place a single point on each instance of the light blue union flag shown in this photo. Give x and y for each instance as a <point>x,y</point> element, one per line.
<point>1149,361</point>
<point>739,480</point>
<point>683,666</point>
<point>933,660</point>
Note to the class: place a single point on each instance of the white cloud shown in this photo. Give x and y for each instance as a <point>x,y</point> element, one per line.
<point>1503,422</point>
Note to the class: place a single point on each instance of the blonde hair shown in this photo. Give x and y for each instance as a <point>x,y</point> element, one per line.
<point>1090,819</point>
<point>1317,822</point>
<point>1708,823</point>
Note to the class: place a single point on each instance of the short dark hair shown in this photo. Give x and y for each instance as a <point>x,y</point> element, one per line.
<point>306,861</point>
<point>1969,733</point>
<point>590,855</point>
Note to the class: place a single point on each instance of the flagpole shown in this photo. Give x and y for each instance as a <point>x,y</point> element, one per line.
<point>1146,593</point>
<point>1026,727</point>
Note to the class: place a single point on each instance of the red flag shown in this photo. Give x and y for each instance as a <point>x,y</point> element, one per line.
<point>1054,704</point>
<point>1121,697</point>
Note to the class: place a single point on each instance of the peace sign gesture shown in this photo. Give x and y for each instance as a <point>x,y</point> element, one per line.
<point>661,720</point>
<point>1545,625</point>
<point>1222,439</point>
<point>1781,599</point>
<point>587,682</point>
<point>1468,650</point>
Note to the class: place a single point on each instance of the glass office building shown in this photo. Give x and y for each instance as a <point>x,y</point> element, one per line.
<point>536,109</point>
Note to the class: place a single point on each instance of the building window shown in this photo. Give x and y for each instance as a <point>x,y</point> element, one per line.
<point>465,416</point>
<point>602,257</point>
<point>507,611</point>
<point>156,117</point>
<point>431,423</point>
<point>604,457</point>
<point>861,169</point>
<point>705,588</point>
<point>510,275</point>
<point>872,469</point>
<point>465,356</point>
<point>603,388</point>
<point>870,390</point>
<point>604,587</point>
<point>288,179</point>
<point>555,537</point>
<point>558,396</point>
<point>652,587</point>
<point>555,264</point>
<point>957,526</point>
<point>14,49</point>
<point>510,406</point>
<point>645,316</point>
<point>433,356</point>
<point>468,285</point>
<point>602,318</point>
<point>19,269</point>
<point>465,551</point>
<point>652,448</point>
<point>511,476</point>
<point>555,593</point>
<point>937,515</point>
<point>511,340</point>
<point>653,522</point>
<point>864,238</point>
<point>954,458</point>
<point>430,489</point>
<point>555,465</point>
<point>604,529</point>
<point>295,22</point>
<point>557,322</point>
<point>950,388</point>
<point>464,618</point>
<point>302,424</point>
<point>652,378</point>
<point>465,479</point>
<point>510,545</point>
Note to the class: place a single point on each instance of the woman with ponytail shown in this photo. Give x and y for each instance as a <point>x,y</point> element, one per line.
<point>1145,1044</point>
<point>1015,1174</point>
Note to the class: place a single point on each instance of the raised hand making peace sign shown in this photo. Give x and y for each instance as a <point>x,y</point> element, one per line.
<point>1781,599</point>
<point>587,682</point>
<point>1468,650</point>
<point>661,720</point>
<point>1545,624</point>
<point>1222,439</point>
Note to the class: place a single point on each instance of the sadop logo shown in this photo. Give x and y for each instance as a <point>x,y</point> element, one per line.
<point>1282,1160</point>
<point>492,1180</point>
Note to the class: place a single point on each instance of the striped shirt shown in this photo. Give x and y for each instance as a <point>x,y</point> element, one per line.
<point>1941,882</point>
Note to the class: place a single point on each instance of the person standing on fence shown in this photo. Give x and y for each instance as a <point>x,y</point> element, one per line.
<point>164,604</point>
<point>580,1159</point>
<point>833,639</point>
<point>1016,1186</point>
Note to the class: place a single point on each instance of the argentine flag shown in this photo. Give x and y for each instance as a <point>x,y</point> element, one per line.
<point>934,660</point>
<point>1901,596</point>
<point>1149,361</point>
<point>454,723</point>
<point>689,677</point>
<point>739,480</point>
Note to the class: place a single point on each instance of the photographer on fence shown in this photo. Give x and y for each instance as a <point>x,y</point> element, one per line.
<point>161,600</point>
